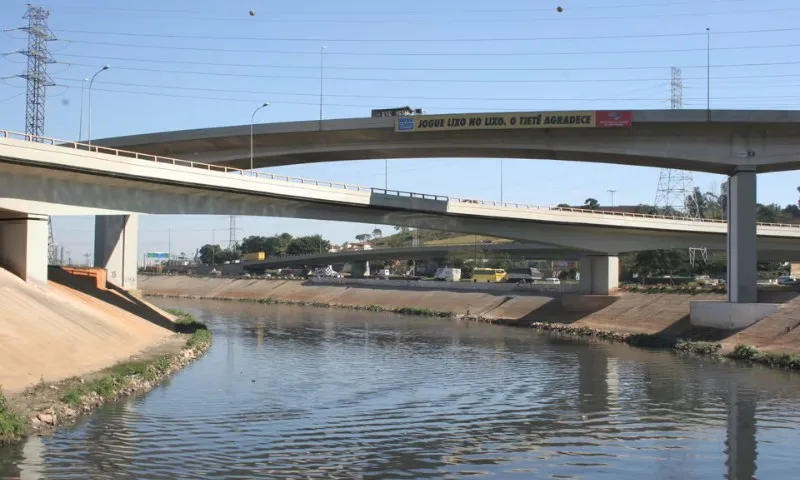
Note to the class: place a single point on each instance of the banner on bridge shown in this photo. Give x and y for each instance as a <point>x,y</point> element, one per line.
<point>499,121</point>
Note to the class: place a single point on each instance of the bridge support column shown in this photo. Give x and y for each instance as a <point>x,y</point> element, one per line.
<point>741,310</point>
<point>599,274</point>
<point>115,248</point>
<point>23,246</point>
<point>359,269</point>
<point>742,255</point>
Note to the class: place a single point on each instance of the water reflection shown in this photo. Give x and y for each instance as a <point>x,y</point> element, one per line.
<point>291,393</point>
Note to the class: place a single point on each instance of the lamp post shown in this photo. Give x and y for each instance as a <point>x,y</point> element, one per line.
<point>252,119</point>
<point>105,67</point>
<point>611,192</point>
<point>80,125</point>
<point>321,79</point>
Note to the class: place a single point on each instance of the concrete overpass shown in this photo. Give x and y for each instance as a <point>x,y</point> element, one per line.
<point>716,141</point>
<point>737,143</point>
<point>533,250</point>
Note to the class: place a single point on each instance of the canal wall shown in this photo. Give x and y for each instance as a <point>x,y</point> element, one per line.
<point>664,313</point>
<point>70,327</point>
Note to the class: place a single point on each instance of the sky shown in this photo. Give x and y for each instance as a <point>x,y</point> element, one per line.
<point>205,63</point>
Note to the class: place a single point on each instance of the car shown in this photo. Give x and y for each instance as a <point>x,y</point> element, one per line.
<point>787,280</point>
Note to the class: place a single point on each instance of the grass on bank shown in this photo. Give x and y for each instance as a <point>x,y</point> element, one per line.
<point>12,426</point>
<point>753,354</point>
<point>109,385</point>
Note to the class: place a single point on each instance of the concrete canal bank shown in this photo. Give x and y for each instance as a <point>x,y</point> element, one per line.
<point>74,343</point>
<point>661,314</point>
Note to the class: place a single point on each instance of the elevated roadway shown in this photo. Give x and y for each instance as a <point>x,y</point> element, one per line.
<point>716,141</point>
<point>738,143</point>
<point>533,250</point>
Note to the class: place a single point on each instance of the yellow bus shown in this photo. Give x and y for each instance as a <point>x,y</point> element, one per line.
<point>488,275</point>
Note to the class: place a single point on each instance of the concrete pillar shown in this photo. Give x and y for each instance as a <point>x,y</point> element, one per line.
<point>599,274</point>
<point>742,255</point>
<point>359,269</point>
<point>23,246</point>
<point>115,248</point>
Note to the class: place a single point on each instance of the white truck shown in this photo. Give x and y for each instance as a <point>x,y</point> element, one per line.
<point>448,274</point>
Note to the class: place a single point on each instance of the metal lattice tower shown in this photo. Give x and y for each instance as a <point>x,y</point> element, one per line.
<point>37,82</point>
<point>232,243</point>
<point>36,75</point>
<point>676,186</point>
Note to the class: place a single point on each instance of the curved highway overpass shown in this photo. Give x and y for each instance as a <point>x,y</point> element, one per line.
<point>716,141</point>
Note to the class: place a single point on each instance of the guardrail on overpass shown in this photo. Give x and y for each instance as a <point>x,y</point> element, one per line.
<point>9,134</point>
<point>458,286</point>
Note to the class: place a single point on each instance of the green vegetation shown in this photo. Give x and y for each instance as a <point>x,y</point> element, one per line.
<point>12,426</point>
<point>753,354</point>
<point>276,245</point>
<point>700,348</point>
<point>115,380</point>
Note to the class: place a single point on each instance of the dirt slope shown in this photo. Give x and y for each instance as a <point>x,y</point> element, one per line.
<point>61,331</point>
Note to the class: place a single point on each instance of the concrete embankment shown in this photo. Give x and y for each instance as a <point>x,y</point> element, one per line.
<point>629,313</point>
<point>69,328</point>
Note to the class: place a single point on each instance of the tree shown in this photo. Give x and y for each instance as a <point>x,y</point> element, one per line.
<point>307,245</point>
<point>361,237</point>
<point>275,245</point>
<point>377,233</point>
<point>591,204</point>
<point>696,204</point>
<point>563,205</point>
<point>209,253</point>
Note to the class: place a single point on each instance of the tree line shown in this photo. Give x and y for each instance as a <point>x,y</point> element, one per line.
<point>276,245</point>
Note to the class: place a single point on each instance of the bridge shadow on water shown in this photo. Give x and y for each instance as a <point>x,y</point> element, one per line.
<point>112,295</point>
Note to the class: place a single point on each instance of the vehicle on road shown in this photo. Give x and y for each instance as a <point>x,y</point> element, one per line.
<point>786,280</point>
<point>488,275</point>
<point>523,275</point>
<point>448,274</point>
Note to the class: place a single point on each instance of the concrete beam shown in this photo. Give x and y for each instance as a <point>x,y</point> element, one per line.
<point>115,248</point>
<point>23,246</point>
<point>599,274</point>
<point>359,269</point>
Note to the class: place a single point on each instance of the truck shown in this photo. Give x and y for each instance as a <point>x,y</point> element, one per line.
<point>523,275</point>
<point>254,256</point>
<point>448,274</point>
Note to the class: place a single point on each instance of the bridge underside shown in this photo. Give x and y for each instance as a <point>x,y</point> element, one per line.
<point>44,186</point>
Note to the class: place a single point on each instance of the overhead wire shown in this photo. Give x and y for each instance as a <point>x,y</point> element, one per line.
<point>437,54</point>
<point>515,19</point>
<point>99,8</point>
<point>429,40</point>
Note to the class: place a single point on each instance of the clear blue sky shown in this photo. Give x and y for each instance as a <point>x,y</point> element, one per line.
<point>384,54</point>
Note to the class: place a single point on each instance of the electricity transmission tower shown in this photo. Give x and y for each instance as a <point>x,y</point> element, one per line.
<point>675,191</point>
<point>37,82</point>
<point>232,243</point>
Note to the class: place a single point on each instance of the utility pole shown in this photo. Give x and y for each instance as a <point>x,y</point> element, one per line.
<point>611,192</point>
<point>36,90</point>
<point>232,237</point>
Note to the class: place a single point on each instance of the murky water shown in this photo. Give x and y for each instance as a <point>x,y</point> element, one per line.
<point>311,393</point>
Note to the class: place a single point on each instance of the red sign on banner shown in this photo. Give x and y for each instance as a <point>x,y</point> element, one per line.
<point>613,119</point>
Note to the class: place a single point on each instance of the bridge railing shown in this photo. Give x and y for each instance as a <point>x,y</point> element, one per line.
<point>613,213</point>
<point>400,193</point>
<point>344,186</point>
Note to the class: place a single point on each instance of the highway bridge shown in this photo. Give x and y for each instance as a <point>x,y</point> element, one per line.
<point>60,177</point>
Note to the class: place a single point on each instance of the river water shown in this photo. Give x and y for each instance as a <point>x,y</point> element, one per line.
<point>302,393</point>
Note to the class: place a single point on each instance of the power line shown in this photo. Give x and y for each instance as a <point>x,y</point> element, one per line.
<point>428,54</point>
<point>315,94</point>
<point>429,40</point>
<point>460,80</point>
<point>373,105</point>
<point>514,81</point>
<point>514,19</point>
<point>99,8</point>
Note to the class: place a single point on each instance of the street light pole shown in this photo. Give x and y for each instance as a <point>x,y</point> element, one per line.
<point>612,196</point>
<point>252,119</point>
<point>501,181</point>
<point>80,125</point>
<point>321,79</point>
<point>105,67</point>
